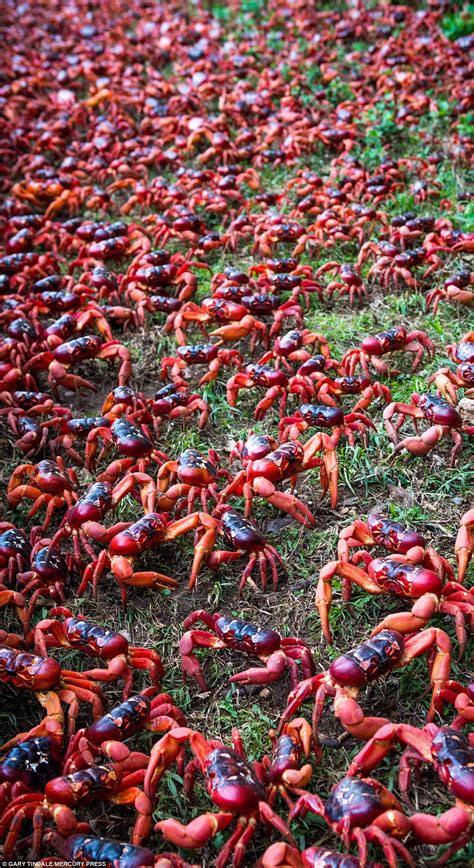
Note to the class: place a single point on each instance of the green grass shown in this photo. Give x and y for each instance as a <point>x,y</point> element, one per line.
<point>458,23</point>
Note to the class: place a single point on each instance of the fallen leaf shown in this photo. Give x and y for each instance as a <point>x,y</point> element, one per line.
<point>275,525</point>
<point>401,495</point>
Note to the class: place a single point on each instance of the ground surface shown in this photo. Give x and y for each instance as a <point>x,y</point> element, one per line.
<point>425,493</point>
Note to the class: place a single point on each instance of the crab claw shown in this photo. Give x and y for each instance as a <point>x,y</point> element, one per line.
<point>197,833</point>
<point>281,855</point>
<point>162,755</point>
<point>464,545</point>
<point>300,729</point>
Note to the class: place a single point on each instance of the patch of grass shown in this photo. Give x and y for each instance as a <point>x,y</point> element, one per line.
<point>459,22</point>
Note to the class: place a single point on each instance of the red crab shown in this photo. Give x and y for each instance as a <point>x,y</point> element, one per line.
<point>277,229</point>
<point>199,354</point>
<point>46,575</point>
<point>361,811</point>
<point>323,416</point>
<point>148,533</point>
<point>383,652</point>
<point>287,275</point>
<point>123,400</point>
<point>71,353</point>
<point>286,461</point>
<point>455,289</point>
<point>276,383</point>
<point>174,401</point>
<point>86,849</point>
<point>417,575</point>
<point>106,736</point>
<point>132,441</point>
<point>50,484</point>
<point>245,326</point>
<point>277,653</point>
<point>196,477</point>
<point>240,323</point>
<point>379,530</point>
<point>448,382</point>
<point>395,264</point>
<point>70,431</point>
<point>15,551</point>
<point>332,391</point>
<point>33,402</point>
<point>349,282</point>
<point>83,520</point>
<point>444,418</point>
<point>43,675</point>
<point>247,540</point>
<point>113,242</point>
<point>463,351</point>
<point>27,763</point>
<point>243,793</point>
<point>281,855</point>
<point>32,435</point>
<point>116,783</point>
<point>291,347</point>
<point>96,641</point>
<point>451,753</point>
<point>395,339</point>
<point>160,268</point>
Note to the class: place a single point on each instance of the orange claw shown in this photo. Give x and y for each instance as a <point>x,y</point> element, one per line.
<point>274,667</point>
<point>163,753</point>
<point>410,622</point>
<point>285,502</point>
<point>422,444</point>
<point>462,697</point>
<point>267,401</point>
<point>238,330</point>
<point>198,832</point>
<point>324,589</point>
<point>380,745</point>
<point>148,579</point>
<point>18,600</point>
<point>464,545</point>
<point>332,469</point>
<point>203,547</point>
<point>300,729</point>
<point>142,828</point>
<point>452,827</point>
<point>52,725</point>
<point>357,534</point>
<point>305,688</point>
<point>281,855</point>
<point>422,643</point>
<point>352,717</point>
